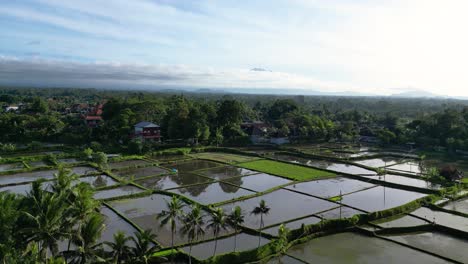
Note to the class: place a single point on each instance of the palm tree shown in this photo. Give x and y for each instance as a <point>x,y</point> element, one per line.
<point>46,219</point>
<point>261,209</point>
<point>119,247</point>
<point>88,248</point>
<point>144,246</point>
<point>282,242</point>
<point>217,222</point>
<point>173,214</point>
<point>235,219</point>
<point>193,226</point>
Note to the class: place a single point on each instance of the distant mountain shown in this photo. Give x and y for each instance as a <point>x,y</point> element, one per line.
<point>416,94</point>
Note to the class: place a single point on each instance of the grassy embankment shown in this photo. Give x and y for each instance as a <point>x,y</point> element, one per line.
<point>291,171</point>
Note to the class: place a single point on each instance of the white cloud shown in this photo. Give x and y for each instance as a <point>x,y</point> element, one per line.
<point>106,74</point>
<point>371,46</point>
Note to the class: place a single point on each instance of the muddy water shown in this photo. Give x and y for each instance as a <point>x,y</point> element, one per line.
<point>212,192</point>
<point>284,205</point>
<point>380,198</point>
<point>258,182</point>
<point>330,187</point>
<point>353,248</point>
<point>83,170</point>
<point>17,189</point>
<point>172,181</point>
<point>225,245</point>
<point>284,260</point>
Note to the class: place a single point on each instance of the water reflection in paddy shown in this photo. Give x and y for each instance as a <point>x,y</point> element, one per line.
<point>406,181</point>
<point>441,218</point>
<point>258,182</point>
<point>11,167</point>
<point>127,163</point>
<point>380,198</point>
<point>224,245</point>
<point>378,162</point>
<point>192,165</point>
<point>143,212</point>
<point>340,212</point>
<point>323,164</point>
<point>116,192</point>
<point>460,206</point>
<point>213,192</point>
<point>172,181</point>
<point>293,225</point>
<point>442,244</point>
<point>141,172</point>
<point>27,176</point>
<point>113,224</point>
<point>358,249</point>
<point>401,221</point>
<point>226,172</point>
<point>98,181</point>
<point>285,205</point>
<point>409,166</point>
<point>330,187</point>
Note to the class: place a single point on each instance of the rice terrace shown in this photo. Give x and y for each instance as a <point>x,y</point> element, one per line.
<point>283,204</point>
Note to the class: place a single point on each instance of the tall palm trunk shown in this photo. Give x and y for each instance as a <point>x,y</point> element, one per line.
<point>259,230</point>
<point>235,238</point>
<point>216,241</point>
<point>190,251</point>
<point>172,245</point>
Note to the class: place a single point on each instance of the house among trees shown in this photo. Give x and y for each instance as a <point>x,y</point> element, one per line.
<point>93,116</point>
<point>147,131</point>
<point>451,173</point>
<point>256,130</point>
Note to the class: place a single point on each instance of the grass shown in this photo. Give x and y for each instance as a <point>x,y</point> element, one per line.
<point>290,171</point>
<point>224,157</point>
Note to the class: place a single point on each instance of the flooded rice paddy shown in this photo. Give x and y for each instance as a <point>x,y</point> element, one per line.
<point>408,181</point>
<point>258,182</point>
<point>380,198</point>
<point>244,242</point>
<point>294,204</point>
<point>127,163</point>
<point>141,172</point>
<point>225,172</point>
<point>439,243</point>
<point>401,221</point>
<point>118,191</point>
<point>358,249</point>
<point>330,187</point>
<point>281,207</point>
<point>212,192</point>
<point>169,181</point>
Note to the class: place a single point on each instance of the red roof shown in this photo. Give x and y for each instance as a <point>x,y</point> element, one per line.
<point>93,118</point>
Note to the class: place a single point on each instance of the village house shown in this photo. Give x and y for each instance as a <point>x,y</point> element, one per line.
<point>147,131</point>
<point>256,130</point>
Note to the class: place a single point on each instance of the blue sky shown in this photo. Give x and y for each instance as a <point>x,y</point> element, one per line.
<point>377,47</point>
